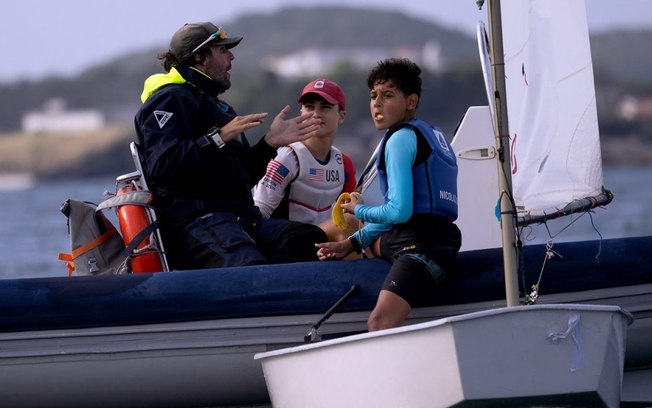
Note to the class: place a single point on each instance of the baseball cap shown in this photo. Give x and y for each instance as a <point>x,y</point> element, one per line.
<point>327,89</point>
<point>193,37</point>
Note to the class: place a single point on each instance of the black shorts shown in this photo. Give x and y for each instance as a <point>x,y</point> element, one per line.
<point>422,252</point>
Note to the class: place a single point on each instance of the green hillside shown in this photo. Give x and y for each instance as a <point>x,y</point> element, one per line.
<point>621,65</point>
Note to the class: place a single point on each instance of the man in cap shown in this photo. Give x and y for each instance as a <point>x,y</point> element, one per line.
<point>305,178</point>
<point>200,167</point>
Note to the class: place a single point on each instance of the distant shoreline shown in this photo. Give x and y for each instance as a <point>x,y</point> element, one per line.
<point>626,151</point>
<point>43,157</point>
<point>28,158</point>
<point>16,181</point>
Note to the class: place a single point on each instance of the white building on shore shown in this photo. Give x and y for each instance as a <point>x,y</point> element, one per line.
<point>55,119</point>
<point>316,61</point>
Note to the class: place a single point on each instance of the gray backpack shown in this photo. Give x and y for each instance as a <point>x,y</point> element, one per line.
<point>97,247</point>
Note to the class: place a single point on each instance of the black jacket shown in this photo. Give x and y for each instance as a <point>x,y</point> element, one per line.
<point>188,174</point>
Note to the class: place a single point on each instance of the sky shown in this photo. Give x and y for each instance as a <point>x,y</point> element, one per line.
<point>64,37</point>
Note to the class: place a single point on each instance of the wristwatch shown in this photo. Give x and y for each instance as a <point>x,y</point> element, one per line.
<point>357,248</point>
<point>215,135</point>
<point>218,139</point>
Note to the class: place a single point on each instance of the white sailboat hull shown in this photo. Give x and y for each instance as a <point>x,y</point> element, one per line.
<point>495,357</point>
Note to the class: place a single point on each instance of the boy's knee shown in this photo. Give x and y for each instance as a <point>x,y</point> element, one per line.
<point>390,311</point>
<point>374,322</point>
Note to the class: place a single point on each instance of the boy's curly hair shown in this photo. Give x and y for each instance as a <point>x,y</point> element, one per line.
<point>405,74</point>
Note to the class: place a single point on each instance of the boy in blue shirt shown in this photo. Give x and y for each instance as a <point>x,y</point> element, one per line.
<point>414,228</point>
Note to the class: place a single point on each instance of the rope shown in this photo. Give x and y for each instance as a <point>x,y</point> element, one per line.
<point>533,296</point>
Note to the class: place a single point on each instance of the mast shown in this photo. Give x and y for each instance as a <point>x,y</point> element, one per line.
<point>501,132</point>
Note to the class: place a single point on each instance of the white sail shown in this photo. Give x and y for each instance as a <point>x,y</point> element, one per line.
<point>553,125</point>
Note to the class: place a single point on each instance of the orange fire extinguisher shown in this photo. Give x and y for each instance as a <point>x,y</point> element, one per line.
<point>133,219</point>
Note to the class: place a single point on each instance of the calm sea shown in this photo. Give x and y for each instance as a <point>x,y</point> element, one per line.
<point>33,231</point>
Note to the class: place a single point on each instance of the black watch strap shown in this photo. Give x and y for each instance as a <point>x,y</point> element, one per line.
<point>357,248</point>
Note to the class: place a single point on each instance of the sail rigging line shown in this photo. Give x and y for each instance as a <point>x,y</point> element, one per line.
<point>369,173</point>
<point>532,297</point>
<point>573,221</point>
<point>590,214</point>
<point>597,256</point>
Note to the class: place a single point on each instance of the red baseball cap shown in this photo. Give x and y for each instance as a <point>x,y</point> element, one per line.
<point>328,90</point>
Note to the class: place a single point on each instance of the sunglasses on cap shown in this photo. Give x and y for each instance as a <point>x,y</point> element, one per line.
<point>220,33</point>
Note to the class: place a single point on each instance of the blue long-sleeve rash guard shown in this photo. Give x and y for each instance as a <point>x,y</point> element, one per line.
<point>400,154</point>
